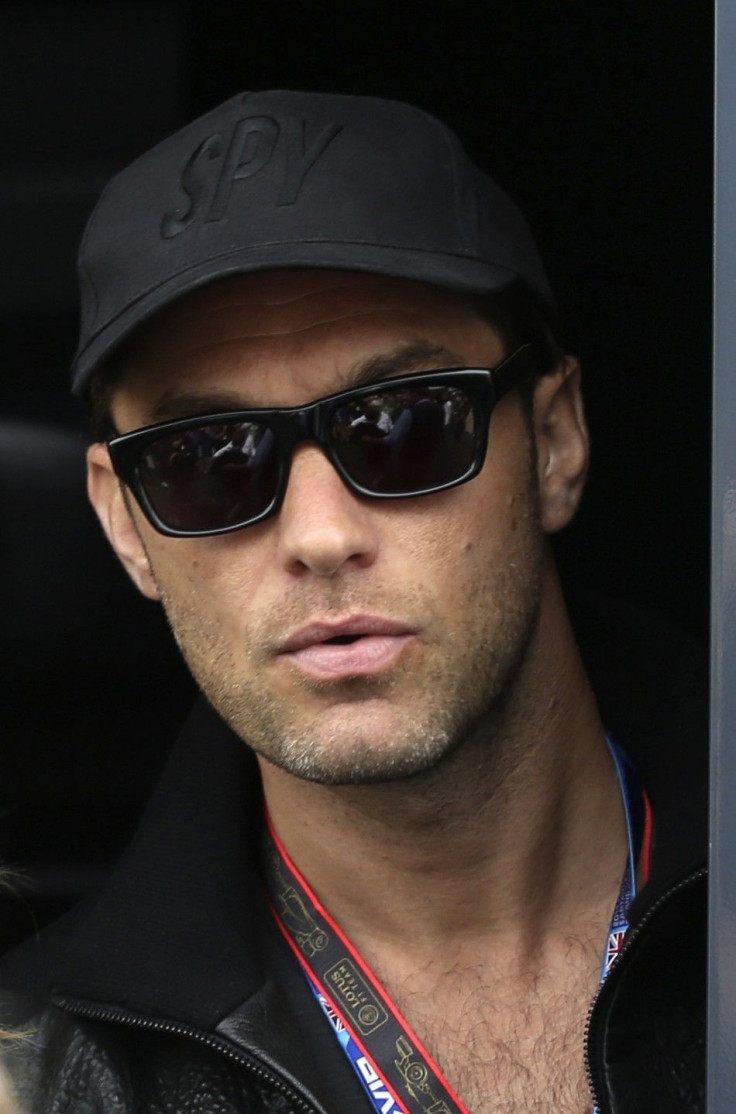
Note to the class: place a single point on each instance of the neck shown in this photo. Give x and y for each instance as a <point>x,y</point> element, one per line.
<point>517,833</point>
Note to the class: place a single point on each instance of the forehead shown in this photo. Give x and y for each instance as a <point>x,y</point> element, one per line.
<point>286,337</point>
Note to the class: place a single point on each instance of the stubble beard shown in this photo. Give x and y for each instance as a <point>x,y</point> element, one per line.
<point>421,716</point>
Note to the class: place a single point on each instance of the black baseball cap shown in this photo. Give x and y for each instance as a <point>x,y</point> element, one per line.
<point>290,179</point>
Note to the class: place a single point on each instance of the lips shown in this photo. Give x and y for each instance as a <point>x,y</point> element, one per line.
<point>357,646</point>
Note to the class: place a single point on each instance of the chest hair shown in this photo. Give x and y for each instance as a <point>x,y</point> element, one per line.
<point>509,1043</point>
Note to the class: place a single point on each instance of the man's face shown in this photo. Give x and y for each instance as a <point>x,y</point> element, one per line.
<point>432,600</point>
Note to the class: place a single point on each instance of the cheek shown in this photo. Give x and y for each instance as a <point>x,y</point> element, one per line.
<point>215,578</point>
<point>481,520</point>
<point>478,547</point>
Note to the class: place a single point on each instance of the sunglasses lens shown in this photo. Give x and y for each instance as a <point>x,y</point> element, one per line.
<point>211,477</point>
<point>403,440</point>
<point>406,441</point>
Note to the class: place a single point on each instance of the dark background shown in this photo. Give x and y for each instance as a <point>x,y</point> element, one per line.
<point>595,116</point>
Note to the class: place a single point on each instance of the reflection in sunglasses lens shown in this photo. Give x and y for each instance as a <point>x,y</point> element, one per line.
<point>212,476</point>
<point>405,441</point>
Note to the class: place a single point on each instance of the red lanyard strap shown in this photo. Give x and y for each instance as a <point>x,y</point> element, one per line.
<point>386,1053</point>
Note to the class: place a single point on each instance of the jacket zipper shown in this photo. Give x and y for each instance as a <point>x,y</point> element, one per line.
<point>227,1049</point>
<point>118,1015</point>
<point>630,943</point>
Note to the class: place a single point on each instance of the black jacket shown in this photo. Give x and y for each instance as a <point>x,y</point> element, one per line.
<point>171,991</point>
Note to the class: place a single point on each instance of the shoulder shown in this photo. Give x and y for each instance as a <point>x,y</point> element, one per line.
<point>647,1030</point>
<point>62,1064</point>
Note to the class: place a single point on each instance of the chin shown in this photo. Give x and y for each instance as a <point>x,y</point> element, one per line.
<point>381,749</point>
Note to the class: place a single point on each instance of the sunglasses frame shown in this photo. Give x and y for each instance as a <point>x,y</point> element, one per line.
<point>294,425</point>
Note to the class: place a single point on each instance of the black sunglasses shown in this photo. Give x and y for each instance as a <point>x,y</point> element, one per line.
<point>416,435</point>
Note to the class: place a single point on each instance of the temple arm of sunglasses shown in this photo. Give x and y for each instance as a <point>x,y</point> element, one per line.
<point>510,373</point>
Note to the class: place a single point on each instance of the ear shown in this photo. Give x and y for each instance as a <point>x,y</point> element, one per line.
<point>114,512</point>
<point>562,444</point>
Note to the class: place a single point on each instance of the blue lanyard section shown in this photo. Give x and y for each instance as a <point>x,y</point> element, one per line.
<point>632,797</point>
<point>384,1098</point>
<point>375,1085</point>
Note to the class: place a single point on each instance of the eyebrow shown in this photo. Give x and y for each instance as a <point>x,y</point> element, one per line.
<point>413,356</point>
<point>408,358</point>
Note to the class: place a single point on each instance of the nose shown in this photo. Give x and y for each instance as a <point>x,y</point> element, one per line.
<point>323,527</point>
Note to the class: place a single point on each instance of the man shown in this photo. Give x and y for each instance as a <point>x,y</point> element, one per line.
<point>336,436</point>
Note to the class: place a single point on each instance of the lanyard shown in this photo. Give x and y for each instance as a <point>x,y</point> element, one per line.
<point>397,1072</point>
<point>638,813</point>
